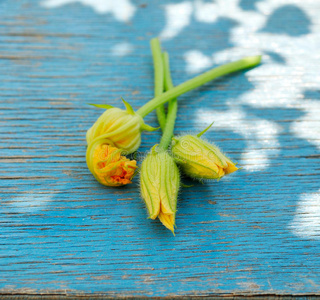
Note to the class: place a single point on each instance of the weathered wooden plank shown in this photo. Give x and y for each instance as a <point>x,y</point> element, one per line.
<point>255,232</point>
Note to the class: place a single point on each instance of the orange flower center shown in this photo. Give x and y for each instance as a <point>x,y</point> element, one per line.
<point>111,167</point>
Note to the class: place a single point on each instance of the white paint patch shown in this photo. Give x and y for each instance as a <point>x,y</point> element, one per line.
<point>205,12</point>
<point>178,16</point>
<point>28,203</point>
<point>260,135</point>
<point>306,222</point>
<point>122,49</point>
<point>122,10</point>
<point>197,61</point>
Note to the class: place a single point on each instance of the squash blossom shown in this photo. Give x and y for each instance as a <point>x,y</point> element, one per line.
<point>200,159</point>
<point>122,128</point>
<point>159,184</point>
<point>108,166</point>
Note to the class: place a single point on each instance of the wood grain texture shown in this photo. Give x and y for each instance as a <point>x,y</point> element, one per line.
<point>61,232</point>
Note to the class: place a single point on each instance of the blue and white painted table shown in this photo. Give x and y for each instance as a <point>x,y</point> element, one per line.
<point>255,232</point>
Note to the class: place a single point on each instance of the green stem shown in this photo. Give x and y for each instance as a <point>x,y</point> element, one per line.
<point>158,79</point>
<point>245,63</point>
<point>172,108</point>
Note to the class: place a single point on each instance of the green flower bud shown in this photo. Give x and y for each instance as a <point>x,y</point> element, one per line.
<point>159,184</point>
<point>200,159</point>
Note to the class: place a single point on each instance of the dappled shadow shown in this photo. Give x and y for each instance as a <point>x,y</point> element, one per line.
<point>248,4</point>
<point>217,95</point>
<point>217,35</point>
<point>288,19</point>
<point>312,94</point>
<point>276,57</point>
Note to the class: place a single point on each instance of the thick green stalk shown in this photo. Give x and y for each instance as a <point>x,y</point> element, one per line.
<point>158,79</point>
<point>245,63</point>
<point>172,108</point>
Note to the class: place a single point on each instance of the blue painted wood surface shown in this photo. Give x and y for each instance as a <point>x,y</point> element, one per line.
<point>255,232</point>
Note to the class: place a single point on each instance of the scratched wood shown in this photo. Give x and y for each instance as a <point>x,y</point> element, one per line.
<point>255,232</point>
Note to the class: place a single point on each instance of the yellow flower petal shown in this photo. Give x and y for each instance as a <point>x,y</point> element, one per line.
<point>167,220</point>
<point>108,166</point>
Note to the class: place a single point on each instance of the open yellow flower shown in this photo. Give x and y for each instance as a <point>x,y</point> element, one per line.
<point>107,164</point>
<point>159,184</point>
<point>200,159</point>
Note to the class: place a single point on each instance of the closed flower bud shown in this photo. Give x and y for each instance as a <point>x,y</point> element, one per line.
<point>108,166</point>
<point>122,128</point>
<point>159,184</point>
<point>200,159</point>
